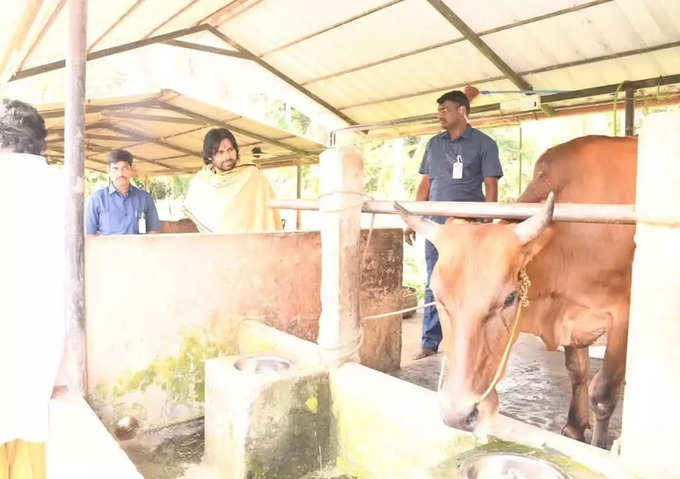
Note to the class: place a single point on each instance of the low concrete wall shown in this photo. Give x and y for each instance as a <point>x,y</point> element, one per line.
<point>159,305</point>
<point>383,427</point>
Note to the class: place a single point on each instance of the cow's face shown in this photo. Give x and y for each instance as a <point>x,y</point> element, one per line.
<point>476,286</point>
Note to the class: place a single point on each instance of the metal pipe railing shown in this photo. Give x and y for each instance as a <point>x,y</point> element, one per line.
<point>569,212</point>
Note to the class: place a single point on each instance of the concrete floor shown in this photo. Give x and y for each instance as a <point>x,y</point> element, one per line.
<point>536,388</point>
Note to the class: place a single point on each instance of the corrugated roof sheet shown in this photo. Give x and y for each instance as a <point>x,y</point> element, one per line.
<point>165,131</point>
<point>373,60</point>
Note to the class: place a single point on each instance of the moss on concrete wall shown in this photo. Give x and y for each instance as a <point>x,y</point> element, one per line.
<point>167,384</point>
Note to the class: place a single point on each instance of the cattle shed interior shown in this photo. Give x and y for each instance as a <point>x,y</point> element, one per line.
<point>373,69</point>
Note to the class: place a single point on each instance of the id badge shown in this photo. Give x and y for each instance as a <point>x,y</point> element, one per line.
<point>457,173</point>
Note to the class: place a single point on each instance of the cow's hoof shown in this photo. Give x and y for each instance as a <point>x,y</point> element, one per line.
<point>574,433</point>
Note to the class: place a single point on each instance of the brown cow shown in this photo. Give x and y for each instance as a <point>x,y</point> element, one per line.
<point>580,285</point>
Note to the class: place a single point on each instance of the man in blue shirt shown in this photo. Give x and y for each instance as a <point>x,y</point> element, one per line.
<point>120,208</point>
<point>456,163</point>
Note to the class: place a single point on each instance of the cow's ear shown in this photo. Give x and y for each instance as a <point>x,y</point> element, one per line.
<point>533,247</point>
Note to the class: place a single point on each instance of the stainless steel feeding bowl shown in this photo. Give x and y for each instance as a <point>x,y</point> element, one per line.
<point>262,364</point>
<point>508,466</point>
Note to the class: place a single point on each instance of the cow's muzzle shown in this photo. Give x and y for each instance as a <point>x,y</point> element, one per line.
<point>465,419</point>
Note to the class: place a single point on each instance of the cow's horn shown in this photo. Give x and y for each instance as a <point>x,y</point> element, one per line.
<point>423,226</point>
<point>531,227</point>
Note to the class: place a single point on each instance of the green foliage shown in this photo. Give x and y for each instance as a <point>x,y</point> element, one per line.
<point>513,156</point>
<point>182,376</point>
<point>94,180</point>
<point>284,115</point>
<point>414,275</point>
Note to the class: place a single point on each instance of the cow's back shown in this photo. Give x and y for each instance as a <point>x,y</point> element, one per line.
<point>591,169</point>
<point>586,263</point>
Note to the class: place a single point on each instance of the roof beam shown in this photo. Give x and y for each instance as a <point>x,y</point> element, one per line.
<point>206,48</point>
<point>110,51</point>
<point>281,161</point>
<point>456,40</point>
<point>171,18</point>
<point>329,28</point>
<point>283,77</point>
<point>104,149</point>
<point>89,108</point>
<point>97,136</point>
<point>559,66</point>
<point>148,117</point>
<point>611,56</point>
<point>18,36</point>
<point>117,22</point>
<point>61,150</point>
<point>422,92</point>
<point>583,93</point>
<point>228,12</point>
<point>483,48</point>
<point>44,30</point>
<point>241,131</point>
<point>155,141</point>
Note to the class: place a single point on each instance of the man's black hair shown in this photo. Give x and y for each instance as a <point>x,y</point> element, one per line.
<point>456,96</point>
<point>212,140</point>
<point>120,155</point>
<point>22,129</point>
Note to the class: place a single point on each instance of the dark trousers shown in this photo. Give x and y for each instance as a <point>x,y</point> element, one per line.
<point>432,330</point>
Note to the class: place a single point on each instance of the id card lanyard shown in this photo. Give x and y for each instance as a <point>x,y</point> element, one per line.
<point>457,170</point>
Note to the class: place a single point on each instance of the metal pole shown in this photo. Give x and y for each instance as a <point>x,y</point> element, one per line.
<point>74,154</point>
<point>630,111</point>
<point>569,212</point>
<point>298,192</point>
<point>519,191</point>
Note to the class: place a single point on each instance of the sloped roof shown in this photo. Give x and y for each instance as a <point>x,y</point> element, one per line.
<point>375,60</point>
<point>164,132</point>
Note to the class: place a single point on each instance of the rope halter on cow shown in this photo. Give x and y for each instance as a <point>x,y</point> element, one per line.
<point>522,302</point>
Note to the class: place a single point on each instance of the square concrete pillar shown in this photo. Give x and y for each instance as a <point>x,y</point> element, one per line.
<point>263,420</point>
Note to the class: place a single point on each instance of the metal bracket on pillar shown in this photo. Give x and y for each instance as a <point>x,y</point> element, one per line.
<point>630,111</point>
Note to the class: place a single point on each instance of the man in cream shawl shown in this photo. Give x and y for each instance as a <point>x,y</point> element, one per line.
<point>31,290</point>
<point>227,196</point>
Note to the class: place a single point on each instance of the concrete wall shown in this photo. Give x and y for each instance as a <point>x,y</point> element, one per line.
<point>158,305</point>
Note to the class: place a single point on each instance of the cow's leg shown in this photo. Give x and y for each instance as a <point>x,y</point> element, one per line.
<point>576,360</point>
<point>605,386</point>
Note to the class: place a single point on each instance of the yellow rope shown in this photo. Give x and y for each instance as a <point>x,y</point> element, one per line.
<point>523,302</point>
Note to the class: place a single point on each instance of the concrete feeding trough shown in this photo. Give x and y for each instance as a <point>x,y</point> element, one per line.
<point>508,466</point>
<point>267,413</point>
<point>262,364</point>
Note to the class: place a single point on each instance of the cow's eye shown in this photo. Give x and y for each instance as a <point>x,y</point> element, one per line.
<point>510,300</point>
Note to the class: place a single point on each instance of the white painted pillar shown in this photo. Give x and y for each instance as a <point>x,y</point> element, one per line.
<point>650,439</point>
<point>340,202</point>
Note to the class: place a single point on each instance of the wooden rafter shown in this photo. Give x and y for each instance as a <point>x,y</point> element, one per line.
<point>479,44</point>
<point>117,22</point>
<point>171,18</point>
<point>241,131</point>
<point>206,48</point>
<point>282,76</point>
<point>109,51</point>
